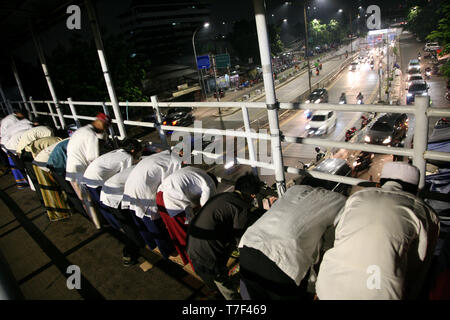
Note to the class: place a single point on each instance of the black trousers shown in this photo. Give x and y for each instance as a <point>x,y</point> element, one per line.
<point>263,279</point>
<point>26,160</point>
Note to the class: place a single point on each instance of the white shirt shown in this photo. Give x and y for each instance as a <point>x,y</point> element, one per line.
<point>143,182</point>
<point>13,140</point>
<point>105,166</point>
<point>33,134</point>
<point>6,123</point>
<point>82,149</point>
<point>42,157</point>
<point>18,126</point>
<point>290,232</point>
<point>112,191</point>
<point>383,245</point>
<point>186,188</point>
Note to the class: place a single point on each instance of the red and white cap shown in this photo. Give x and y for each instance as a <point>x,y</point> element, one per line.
<point>103,117</point>
<point>400,171</point>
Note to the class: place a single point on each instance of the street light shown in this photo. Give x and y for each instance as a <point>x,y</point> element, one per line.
<point>284,20</point>
<point>340,10</point>
<point>200,78</point>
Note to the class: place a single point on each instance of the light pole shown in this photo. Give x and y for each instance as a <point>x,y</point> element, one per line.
<point>200,78</point>
<point>306,45</point>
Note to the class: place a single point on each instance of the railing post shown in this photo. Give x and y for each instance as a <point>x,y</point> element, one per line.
<point>33,107</point>
<point>74,113</point>
<point>251,147</point>
<point>105,69</point>
<point>7,104</point>
<point>420,136</point>
<point>19,85</point>
<point>162,134</point>
<point>52,114</point>
<point>41,55</point>
<point>272,104</point>
<point>111,128</point>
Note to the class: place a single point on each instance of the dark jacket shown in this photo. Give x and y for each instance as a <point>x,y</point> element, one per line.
<point>216,229</point>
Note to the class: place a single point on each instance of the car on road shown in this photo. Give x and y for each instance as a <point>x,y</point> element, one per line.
<point>178,117</point>
<point>316,96</point>
<point>415,76</point>
<point>390,129</point>
<point>335,166</point>
<point>431,46</point>
<point>414,70</point>
<point>321,122</point>
<point>414,64</point>
<point>354,66</point>
<point>416,88</point>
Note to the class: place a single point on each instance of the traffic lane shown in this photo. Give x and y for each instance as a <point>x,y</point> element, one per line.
<point>286,93</point>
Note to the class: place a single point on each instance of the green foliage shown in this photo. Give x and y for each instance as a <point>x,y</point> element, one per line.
<point>421,19</point>
<point>442,34</point>
<point>276,45</point>
<point>78,74</point>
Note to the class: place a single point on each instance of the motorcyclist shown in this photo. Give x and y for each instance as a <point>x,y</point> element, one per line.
<point>317,71</point>
<point>360,97</point>
<point>419,56</point>
<point>343,98</point>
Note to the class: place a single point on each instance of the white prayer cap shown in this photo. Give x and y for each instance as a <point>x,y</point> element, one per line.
<point>400,171</point>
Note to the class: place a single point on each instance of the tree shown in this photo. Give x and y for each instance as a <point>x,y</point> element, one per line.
<point>422,19</point>
<point>320,32</point>
<point>442,35</point>
<point>333,28</point>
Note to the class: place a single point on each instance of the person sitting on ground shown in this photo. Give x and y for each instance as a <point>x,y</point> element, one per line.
<point>139,196</point>
<point>278,252</point>
<point>107,165</point>
<point>83,148</point>
<point>216,230</point>
<point>179,197</point>
<point>384,241</point>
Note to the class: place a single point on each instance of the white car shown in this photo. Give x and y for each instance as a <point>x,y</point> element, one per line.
<point>431,46</point>
<point>321,122</point>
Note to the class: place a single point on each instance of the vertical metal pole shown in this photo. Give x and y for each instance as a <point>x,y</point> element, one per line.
<point>162,134</point>
<point>420,136</point>
<point>111,127</point>
<point>251,147</point>
<point>33,107</point>
<point>41,55</point>
<point>74,113</point>
<point>215,81</point>
<point>351,34</point>
<point>52,114</point>
<point>388,71</point>
<point>19,84</point>
<point>7,104</point>
<point>306,45</point>
<point>272,104</point>
<point>200,78</point>
<point>105,69</point>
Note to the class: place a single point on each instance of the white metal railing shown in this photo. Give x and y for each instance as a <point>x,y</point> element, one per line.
<point>419,154</point>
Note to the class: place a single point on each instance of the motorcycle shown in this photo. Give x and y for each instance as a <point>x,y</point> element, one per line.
<point>428,73</point>
<point>360,100</point>
<point>320,154</point>
<point>363,161</point>
<point>342,100</point>
<point>350,133</point>
<point>364,121</point>
<point>371,66</point>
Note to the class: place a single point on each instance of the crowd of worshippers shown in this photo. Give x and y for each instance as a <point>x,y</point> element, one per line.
<point>311,243</point>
